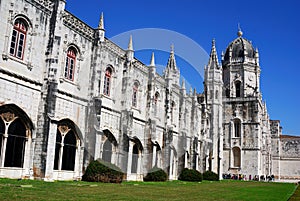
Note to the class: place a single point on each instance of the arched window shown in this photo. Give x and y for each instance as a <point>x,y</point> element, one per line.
<point>135,94</point>
<point>172,111</point>
<point>236,157</point>
<point>65,149</point>
<point>107,81</point>
<point>135,157</point>
<point>18,39</point>
<point>69,152</point>
<point>107,151</point>
<point>156,98</point>
<point>238,89</point>
<point>15,146</point>
<point>237,128</point>
<point>70,64</point>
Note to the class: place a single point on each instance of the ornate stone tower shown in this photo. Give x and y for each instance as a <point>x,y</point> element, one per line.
<point>213,92</point>
<point>245,133</point>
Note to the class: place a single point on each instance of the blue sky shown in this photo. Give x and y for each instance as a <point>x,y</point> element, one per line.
<point>272,26</point>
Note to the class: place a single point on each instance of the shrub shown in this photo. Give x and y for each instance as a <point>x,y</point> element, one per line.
<point>156,174</point>
<point>190,175</point>
<point>210,176</point>
<point>101,171</point>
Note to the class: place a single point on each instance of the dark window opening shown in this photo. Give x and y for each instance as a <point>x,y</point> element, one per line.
<point>69,152</point>
<point>237,128</point>
<point>57,149</point>
<point>15,147</point>
<point>134,95</point>
<point>238,89</point>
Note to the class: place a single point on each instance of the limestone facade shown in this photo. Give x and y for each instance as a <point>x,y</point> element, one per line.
<point>69,95</point>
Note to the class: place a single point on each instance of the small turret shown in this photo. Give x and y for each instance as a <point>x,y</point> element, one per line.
<point>172,62</point>
<point>100,29</point>
<point>130,52</point>
<point>213,58</point>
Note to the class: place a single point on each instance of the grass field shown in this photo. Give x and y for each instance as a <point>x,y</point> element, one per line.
<point>173,190</point>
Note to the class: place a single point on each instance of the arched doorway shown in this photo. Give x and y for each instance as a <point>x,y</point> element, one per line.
<point>15,137</point>
<point>236,157</point>
<point>66,146</point>
<point>107,151</point>
<point>135,157</point>
<point>109,147</point>
<point>15,145</point>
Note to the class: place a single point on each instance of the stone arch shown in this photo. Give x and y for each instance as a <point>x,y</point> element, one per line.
<point>24,18</point>
<point>136,154</point>
<point>15,133</point>
<point>109,146</point>
<point>68,140</point>
<point>236,152</point>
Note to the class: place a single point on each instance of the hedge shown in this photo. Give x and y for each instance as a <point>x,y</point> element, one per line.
<point>101,171</point>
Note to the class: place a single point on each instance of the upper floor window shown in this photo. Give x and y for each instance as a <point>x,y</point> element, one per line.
<point>70,64</point>
<point>238,89</point>
<point>18,39</point>
<point>237,128</point>
<point>172,111</point>
<point>107,81</point>
<point>156,97</point>
<point>135,94</point>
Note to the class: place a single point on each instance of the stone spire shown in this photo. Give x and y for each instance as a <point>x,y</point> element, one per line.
<point>172,62</point>
<point>130,46</point>
<point>152,63</point>
<point>100,29</point>
<point>213,58</point>
<point>183,84</point>
<point>130,52</point>
<point>101,22</point>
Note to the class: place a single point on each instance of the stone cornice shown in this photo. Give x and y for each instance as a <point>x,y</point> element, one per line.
<point>77,25</point>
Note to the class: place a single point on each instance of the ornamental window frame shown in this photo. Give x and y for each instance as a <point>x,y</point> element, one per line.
<point>70,63</point>
<point>18,38</point>
<point>107,81</point>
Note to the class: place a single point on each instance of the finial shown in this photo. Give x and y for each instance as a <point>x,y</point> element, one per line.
<point>152,60</point>
<point>172,48</point>
<point>130,46</point>
<point>213,43</point>
<point>101,22</point>
<point>183,84</point>
<point>239,33</point>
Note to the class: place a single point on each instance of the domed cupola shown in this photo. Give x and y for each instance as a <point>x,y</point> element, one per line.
<point>239,51</point>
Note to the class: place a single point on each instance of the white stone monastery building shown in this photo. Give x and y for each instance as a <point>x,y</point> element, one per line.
<point>69,95</point>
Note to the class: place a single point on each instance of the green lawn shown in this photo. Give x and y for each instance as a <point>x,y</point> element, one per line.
<point>173,190</point>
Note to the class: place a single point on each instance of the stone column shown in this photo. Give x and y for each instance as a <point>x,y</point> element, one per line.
<point>50,152</point>
<point>185,159</point>
<point>3,149</point>
<point>77,159</point>
<point>129,161</point>
<point>171,165</point>
<point>61,150</point>
<point>154,156</point>
<point>98,146</point>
